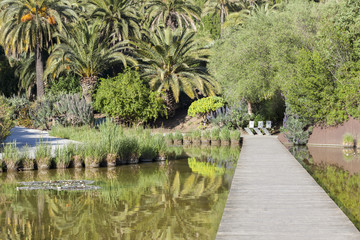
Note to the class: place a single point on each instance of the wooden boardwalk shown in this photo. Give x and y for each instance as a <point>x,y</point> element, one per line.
<point>273,197</point>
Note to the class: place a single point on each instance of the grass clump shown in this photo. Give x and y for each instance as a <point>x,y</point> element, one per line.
<point>224,134</point>
<point>348,140</point>
<point>215,134</point>
<point>43,156</point>
<point>11,156</point>
<point>235,135</point>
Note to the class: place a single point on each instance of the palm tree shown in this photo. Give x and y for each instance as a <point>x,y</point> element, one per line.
<point>172,13</point>
<point>173,62</point>
<point>28,26</point>
<point>120,17</point>
<point>86,53</point>
<point>222,7</point>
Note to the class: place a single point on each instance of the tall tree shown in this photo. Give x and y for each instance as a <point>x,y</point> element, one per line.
<point>173,13</point>
<point>120,17</point>
<point>86,53</point>
<point>172,61</point>
<point>29,26</point>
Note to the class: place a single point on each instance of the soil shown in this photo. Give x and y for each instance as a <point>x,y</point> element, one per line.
<point>180,122</point>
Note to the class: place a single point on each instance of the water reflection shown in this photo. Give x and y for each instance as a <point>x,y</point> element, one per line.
<point>337,170</point>
<point>165,200</point>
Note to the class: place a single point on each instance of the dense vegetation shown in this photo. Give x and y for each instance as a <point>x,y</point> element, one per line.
<point>261,56</point>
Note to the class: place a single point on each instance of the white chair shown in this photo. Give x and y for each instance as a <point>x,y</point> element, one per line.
<point>251,126</point>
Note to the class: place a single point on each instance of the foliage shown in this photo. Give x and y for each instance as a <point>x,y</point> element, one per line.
<point>215,133</point>
<point>233,117</point>
<point>66,84</point>
<point>178,136</point>
<point>6,122</point>
<point>21,107</point>
<point>172,61</point>
<point>128,98</point>
<point>312,88</point>
<point>224,134</point>
<point>85,53</point>
<point>206,134</point>
<point>196,135</point>
<point>294,130</point>
<point>42,112</point>
<point>205,168</point>
<point>74,110</point>
<point>348,139</point>
<point>235,135</point>
<point>11,156</point>
<point>206,105</point>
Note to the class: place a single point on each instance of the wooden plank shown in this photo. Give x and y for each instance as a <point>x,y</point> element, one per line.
<point>273,197</point>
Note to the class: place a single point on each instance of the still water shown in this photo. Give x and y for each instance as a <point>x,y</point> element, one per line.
<point>177,199</point>
<point>337,170</point>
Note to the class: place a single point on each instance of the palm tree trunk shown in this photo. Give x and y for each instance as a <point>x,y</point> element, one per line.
<point>88,85</point>
<point>170,103</point>
<point>39,72</point>
<point>222,19</point>
<point>250,112</point>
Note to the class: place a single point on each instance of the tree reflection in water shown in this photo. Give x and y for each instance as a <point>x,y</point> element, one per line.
<point>148,201</point>
<point>337,171</point>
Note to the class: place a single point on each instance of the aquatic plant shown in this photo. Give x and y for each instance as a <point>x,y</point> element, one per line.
<point>196,135</point>
<point>215,134</point>
<point>206,135</point>
<point>43,155</point>
<point>94,154</point>
<point>224,134</point>
<point>26,160</point>
<point>129,150</point>
<point>348,140</point>
<point>11,156</point>
<point>63,156</point>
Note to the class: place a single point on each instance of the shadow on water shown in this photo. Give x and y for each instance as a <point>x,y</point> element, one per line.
<point>177,199</point>
<point>337,170</point>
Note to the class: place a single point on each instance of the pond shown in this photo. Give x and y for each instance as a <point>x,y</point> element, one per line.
<point>337,170</point>
<point>176,199</point>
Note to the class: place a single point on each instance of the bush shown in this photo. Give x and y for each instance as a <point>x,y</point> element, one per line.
<point>234,117</point>
<point>64,85</point>
<point>206,105</point>
<point>68,109</point>
<point>128,98</point>
<point>294,131</point>
<point>73,110</point>
<point>21,107</point>
<point>215,134</point>
<point>6,123</point>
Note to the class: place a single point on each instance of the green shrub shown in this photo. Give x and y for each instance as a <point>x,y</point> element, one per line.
<point>64,85</point>
<point>206,105</point>
<point>128,98</point>
<point>6,123</point>
<point>294,131</point>
<point>234,117</point>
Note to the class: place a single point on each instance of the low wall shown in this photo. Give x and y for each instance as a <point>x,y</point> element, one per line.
<point>331,135</point>
<point>334,135</point>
